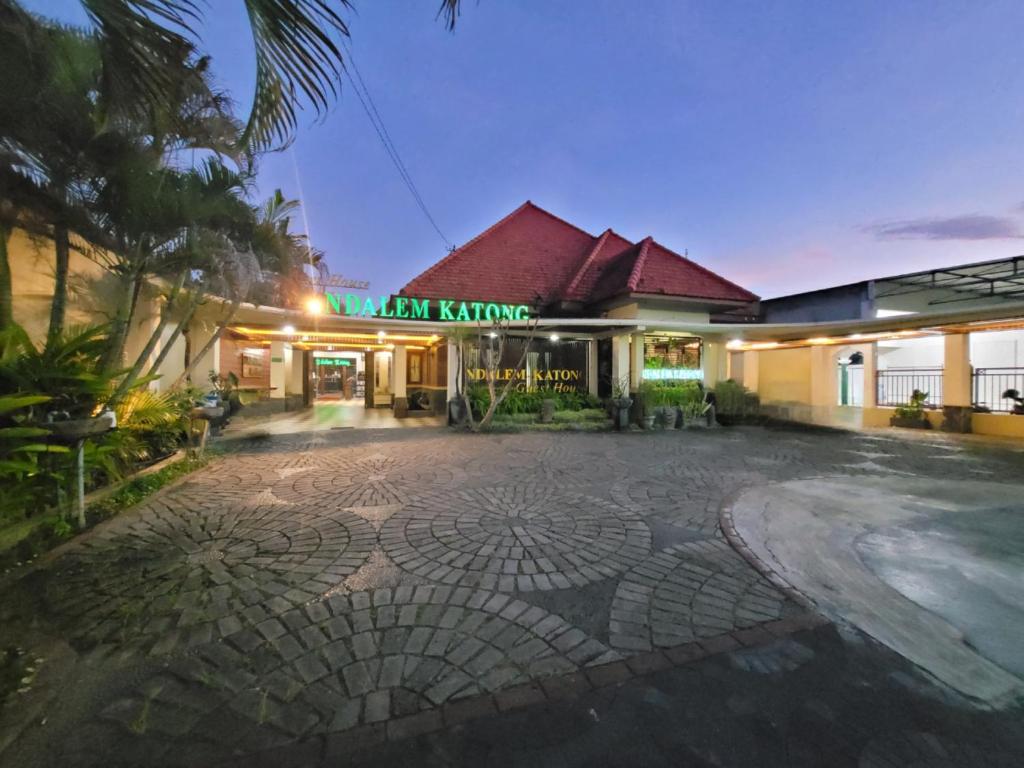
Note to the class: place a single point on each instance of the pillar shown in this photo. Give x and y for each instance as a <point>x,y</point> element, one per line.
<point>399,366</point>
<point>278,370</point>
<point>956,373</point>
<point>620,363</point>
<point>636,362</point>
<point>870,376</point>
<point>592,367</point>
<point>750,370</point>
<point>294,383</point>
<point>452,357</point>
<point>715,363</point>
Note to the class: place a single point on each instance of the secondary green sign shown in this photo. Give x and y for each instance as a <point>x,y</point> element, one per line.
<point>408,308</point>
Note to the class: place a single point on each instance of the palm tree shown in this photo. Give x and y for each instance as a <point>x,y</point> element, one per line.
<point>275,255</point>
<point>298,59</point>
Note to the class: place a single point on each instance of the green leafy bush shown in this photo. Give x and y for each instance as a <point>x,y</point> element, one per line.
<point>530,402</point>
<point>733,399</point>
<point>915,408</point>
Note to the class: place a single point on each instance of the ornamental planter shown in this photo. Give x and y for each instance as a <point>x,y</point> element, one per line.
<point>73,430</point>
<point>647,420</point>
<point>909,422</point>
<point>208,412</point>
<point>547,411</point>
<point>622,406</point>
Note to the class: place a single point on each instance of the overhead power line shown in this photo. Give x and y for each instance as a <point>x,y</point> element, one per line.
<point>373,115</point>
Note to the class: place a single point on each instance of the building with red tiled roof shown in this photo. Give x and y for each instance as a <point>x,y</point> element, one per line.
<point>533,257</point>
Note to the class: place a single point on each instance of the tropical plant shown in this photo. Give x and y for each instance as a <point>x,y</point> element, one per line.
<point>22,444</point>
<point>914,409</point>
<point>733,399</point>
<point>297,43</point>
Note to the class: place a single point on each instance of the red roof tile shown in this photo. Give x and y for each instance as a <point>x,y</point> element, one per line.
<point>533,257</point>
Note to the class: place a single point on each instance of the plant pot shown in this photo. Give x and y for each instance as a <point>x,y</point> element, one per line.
<point>74,430</point>
<point>647,420</point>
<point>909,422</point>
<point>208,412</point>
<point>456,411</point>
<point>547,411</point>
<point>621,406</point>
<point>668,416</point>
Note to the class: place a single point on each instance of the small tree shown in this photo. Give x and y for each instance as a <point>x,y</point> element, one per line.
<point>490,344</point>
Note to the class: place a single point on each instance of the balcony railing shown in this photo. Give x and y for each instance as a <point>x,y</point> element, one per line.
<point>990,383</point>
<point>896,385</point>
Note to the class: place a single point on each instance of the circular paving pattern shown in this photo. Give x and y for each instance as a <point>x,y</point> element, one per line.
<point>673,503</point>
<point>370,656</point>
<point>689,591</point>
<point>344,479</point>
<point>185,571</point>
<point>522,537</point>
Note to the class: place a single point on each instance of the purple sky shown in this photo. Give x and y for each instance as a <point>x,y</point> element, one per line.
<point>787,145</point>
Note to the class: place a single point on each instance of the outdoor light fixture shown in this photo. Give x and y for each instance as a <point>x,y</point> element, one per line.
<point>554,337</point>
<point>314,305</point>
<point>330,347</point>
<point>289,329</point>
<point>493,335</point>
<point>734,344</point>
<point>381,335</point>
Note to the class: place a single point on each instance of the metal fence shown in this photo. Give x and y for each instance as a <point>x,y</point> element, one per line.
<point>990,383</point>
<point>896,385</point>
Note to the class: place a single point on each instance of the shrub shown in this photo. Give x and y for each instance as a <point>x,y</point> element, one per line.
<point>915,408</point>
<point>733,399</point>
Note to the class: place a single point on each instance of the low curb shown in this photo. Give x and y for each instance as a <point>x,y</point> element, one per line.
<point>736,541</point>
<point>558,688</point>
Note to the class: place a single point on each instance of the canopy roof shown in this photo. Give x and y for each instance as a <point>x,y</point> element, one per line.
<point>533,257</point>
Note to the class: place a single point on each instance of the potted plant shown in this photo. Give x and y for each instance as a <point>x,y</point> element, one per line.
<point>649,404</point>
<point>1018,401</point>
<point>621,403</point>
<point>912,415</point>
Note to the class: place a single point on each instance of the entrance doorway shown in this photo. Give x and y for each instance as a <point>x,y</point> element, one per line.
<point>338,376</point>
<point>850,378</point>
<point>353,378</point>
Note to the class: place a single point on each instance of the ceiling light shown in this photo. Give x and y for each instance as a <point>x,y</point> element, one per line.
<point>289,329</point>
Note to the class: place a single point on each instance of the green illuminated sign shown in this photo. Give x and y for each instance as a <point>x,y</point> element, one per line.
<point>408,308</point>
<point>332,361</point>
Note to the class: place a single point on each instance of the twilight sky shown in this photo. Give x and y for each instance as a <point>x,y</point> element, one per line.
<point>787,145</point>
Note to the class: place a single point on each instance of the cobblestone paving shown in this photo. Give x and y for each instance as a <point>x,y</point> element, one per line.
<point>687,592</point>
<point>305,586</point>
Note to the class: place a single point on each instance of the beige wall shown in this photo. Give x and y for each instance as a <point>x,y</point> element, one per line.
<point>641,311</point>
<point>784,375</point>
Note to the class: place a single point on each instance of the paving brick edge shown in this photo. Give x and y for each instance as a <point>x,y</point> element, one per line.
<point>738,543</point>
<point>546,690</point>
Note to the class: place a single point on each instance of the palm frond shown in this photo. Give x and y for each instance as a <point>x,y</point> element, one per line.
<point>297,61</point>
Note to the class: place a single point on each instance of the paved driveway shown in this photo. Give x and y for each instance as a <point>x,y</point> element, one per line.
<point>378,585</point>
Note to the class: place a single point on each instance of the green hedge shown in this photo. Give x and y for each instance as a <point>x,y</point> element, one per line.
<point>530,402</point>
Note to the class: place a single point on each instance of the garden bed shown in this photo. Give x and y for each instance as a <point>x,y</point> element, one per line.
<point>24,540</point>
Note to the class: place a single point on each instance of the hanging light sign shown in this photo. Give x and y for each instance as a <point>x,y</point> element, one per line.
<point>408,308</point>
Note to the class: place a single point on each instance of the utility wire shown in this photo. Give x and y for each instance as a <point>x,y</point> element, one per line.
<point>370,108</point>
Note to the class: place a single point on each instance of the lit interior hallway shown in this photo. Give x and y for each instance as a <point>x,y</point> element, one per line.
<point>325,415</point>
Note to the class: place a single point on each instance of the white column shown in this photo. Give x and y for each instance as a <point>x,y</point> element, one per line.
<point>453,369</point>
<point>592,367</point>
<point>636,362</point>
<point>750,370</point>
<point>294,383</point>
<point>278,371</point>
<point>870,377</point>
<point>620,362</point>
<point>399,400</point>
<point>715,363</point>
<point>956,373</point>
